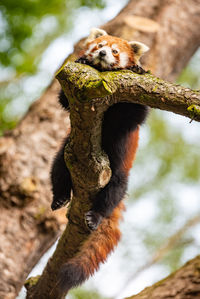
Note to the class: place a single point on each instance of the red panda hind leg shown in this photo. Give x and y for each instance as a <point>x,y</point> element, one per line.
<point>60,179</point>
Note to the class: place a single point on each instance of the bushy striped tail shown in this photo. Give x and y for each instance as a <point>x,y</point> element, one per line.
<point>93,252</point>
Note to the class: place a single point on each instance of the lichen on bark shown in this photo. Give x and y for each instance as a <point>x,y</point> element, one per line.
<point>90,93</point>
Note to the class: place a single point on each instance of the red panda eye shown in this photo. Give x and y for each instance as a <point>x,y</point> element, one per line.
<point>100,45</point>
<point>115,51</point>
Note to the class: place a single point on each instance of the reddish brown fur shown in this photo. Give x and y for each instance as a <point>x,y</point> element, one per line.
<point>122,44</point>
<point>101,242</point>
<point>131,148</point>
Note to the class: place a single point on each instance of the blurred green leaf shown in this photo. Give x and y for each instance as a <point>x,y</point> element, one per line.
<point>27,28</point>
<point>22,28</point>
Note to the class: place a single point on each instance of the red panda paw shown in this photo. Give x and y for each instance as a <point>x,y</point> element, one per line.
<point>93,219</point>
<point>59,203</point>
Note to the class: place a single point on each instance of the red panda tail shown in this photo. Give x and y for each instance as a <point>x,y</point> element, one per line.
<point>93,252</point>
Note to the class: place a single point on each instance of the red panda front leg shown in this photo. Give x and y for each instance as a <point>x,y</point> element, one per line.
<point>60,180</point>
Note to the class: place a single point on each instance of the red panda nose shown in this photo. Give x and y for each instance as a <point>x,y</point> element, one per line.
<point>102,53</point>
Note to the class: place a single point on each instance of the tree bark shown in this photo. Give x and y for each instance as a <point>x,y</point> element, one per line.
<point>182,284</point>
<point>128,86</point>
<point>27,225</point>
<point>90,93</point>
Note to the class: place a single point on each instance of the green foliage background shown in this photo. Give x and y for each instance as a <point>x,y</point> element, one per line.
<point>168,161</point>
<point>27,28</point>
<point>23,37</point>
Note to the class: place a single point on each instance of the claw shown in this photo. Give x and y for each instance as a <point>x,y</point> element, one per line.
<point>93,219</point>
<point>59,203</point>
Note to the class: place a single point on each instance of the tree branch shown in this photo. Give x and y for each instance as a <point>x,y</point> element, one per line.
<point>90,93</point>
<point>184,284</point>
<point>173,241</point>
<point>131,87</point>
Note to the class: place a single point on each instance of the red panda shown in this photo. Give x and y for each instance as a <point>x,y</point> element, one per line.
<point>108,52</point>
<point>120,133</point>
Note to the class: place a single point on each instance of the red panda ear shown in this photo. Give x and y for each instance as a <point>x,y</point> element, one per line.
<point>94,33</point>
<point>138,48</point>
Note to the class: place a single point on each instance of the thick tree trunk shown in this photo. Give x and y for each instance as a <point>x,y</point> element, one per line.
<point>27,225</point>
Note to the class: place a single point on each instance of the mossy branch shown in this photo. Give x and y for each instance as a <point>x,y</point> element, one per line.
<point>90,93</point>
<point>130,87</point>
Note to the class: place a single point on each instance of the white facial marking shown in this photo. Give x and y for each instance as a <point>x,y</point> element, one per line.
<point>104,64</point>
<point>92,46</point>
<point>123,59</point>
<point>103,43</point>
<point>114,47</point>
<point>106,60</point>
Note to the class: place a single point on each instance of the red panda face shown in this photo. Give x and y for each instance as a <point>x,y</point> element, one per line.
<point>110,52</point>
<point>106,52</point>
